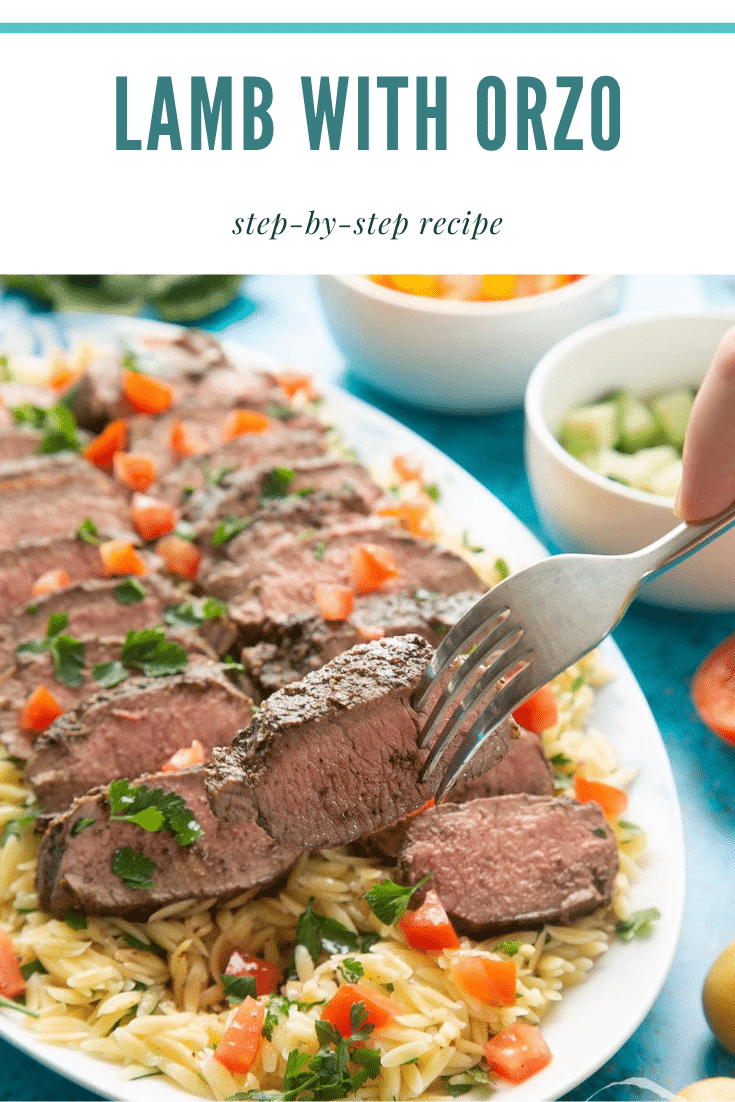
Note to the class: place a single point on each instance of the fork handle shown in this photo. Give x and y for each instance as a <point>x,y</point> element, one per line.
<point>681,542</point>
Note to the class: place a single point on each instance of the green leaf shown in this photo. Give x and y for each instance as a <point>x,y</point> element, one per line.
<point>279,412</point>
<point>321,934</point>
<point>502,568</point>
<point>213,609</point>
<point>600,832</point>
<point>80,825</point>
<point>474,549</point>
<point>87,531</point>
<point>632,827</point>
<point>12,1005</point>
<point>191,614</point>
<point>351,970</point>
<point>76,919</point>
<point>57,424</point>
<point>134,868</point>
<point>153,810</point>
<point>57,621</point>
<point>388,901</point>
<point>129,592</point>
<point>185,531</point>
<point>238,988</point>
<point>561,761</point>
<point>433,491</point>
<point>145,946</point>
<point>577,684</point>
<point>232,665</point>
<point>33,646</point>
<point>109,674</point>
<point>277,482</point>
<point>129,361</point>
<point>228,528</point>
<point>319,548</point>
<point>150,651</point>
<point>508,947</point>
<point>277,1007</point>
<point>27,970</point>
<point>32,610</point>
<point>14,826</point>
<point>68,655</point>
<point>638,924</point>
<point>214,478</point>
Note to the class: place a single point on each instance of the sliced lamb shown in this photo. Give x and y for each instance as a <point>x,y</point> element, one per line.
<point>17,441</point>
<point>524,768</point>
<point>134,729</point>
<point>335,756</point>
<point>513,862</point>
<point>271,583</point>
<point>308,641</point>
<point>75,862</point>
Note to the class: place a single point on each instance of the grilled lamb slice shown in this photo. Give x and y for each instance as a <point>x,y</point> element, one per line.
<point>17,441</point>
<point>513,862</point>
<point>524,768</point>
<point>335,756</point>
<point>134,729</point>
<point>271,583</point>
<point>75,861</point>
<point>32,492</point>
<point>309,641</point>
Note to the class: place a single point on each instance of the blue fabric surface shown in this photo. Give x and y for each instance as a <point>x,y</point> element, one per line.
<point>673,1046</point>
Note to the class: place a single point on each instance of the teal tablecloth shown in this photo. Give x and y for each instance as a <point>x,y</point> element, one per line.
<point>673,1046</point>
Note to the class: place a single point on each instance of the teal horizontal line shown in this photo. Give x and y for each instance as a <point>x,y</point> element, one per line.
<point>367,28</point>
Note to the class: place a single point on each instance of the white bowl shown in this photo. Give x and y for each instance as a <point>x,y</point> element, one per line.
<point>581,510</point>
<point>459,357</point>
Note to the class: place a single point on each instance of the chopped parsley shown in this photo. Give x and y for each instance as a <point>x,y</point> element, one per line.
<point>80,825</point>
<point>129,592</point>
<point>577,684</point>
<point>277,1007</point>
<point>457,1085</point>
<point>130,361</point>
<point>191,614</point>
<point>600,832</point>
<point>87,531</point>
<point>66,651</point>
<point>502,568</point>
<point>149,651</point>
<point>214,478</point>
<point>321,934</point>
<point>145,946</point>
<point>57,424</point>
<point>238,988</point>
<point>328,1074</point>
<point>185,531</point>
<point>632,827</point>
<point>13,827</point>
<point>388,901</point>
<point>319,548</point>
<point>76,919</point>
<point>475,549</point>
<point>433,491</point>
<point>639,924</point>
<point>153,810</point>
<point>510,948</point>
<point>561,761</point>
<point>279,412</point>
<point>277,482</point>
<point>351,970</point>
<point>234,667</point>
<point>134,868</point>
<point>27,970</point>
<point>228,528</point>
<point>31,610</point>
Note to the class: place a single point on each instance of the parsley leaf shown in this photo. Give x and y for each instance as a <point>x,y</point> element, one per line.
<point>150,651</point>
<point>279,413</point>
<point>153,810</point>
<point>129,592</point>
<point>88,532</point>
<point>13,826</point>
<point>351,970</point>
<point>321,934</point>
<point>76,919</point>
<point>80,825</point>
<point>502,568</point>
<point>277,1007</point>
<point>27,970</point>
<point>57,423</point>
<point>600,832</point>
<point>433,491</point>
<point>328,1074</point>
<point>319,548</point>
<point>472,548</point>
<point>193,613</point>
<point>388,901</point>
<point>457,1085</point>
<point>145,946</point>
<point>134,868</point>
<point>638,924</point>
<point>577,684</point>
<point>238,988</point>
<point>68,655</point>
<point>509,947</point>
<point>277,482</point>
<point>109,674</point>
<point>214,478</point>
<point>228,528</point>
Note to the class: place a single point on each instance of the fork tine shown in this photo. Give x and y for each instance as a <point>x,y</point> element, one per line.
<point>484,616</point>
<point>509,697</point>
<point>505,666</point>
<point>459,680</point>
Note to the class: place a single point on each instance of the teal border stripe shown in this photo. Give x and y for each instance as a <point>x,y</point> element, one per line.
<point>367,28</point>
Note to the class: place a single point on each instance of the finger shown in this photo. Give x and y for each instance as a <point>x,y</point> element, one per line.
<point>708,481</point>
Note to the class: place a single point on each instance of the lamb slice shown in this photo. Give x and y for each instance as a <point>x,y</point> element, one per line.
<point>271,583</point>
<point>335,756</point>
<point>309,641</point>
<point>14,394</point>
<point>17,441</point>
<point>23,564</point>
<point>525,768</point>
<point>134,729</point>
<point>74,870</point>
<point>32,490</point>
<point>513,862</point>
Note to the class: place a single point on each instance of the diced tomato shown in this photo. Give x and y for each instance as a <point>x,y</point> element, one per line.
<point>518,1052</point>
<point>380,1010</point>
<point>240,1044</point>
<point>181,556</point>
<point>101,450</point>
<point>407,467</point>
<point>12,983</point>
<point>335,601</point>
<point>134,469</point>
<point>370,635</point>
<point>62,374</point>
<point>490,981</point>
<point>50,582</point>
<point>612,800</point>
<point>428,927</point>
<point>268,978</point>
<point>412,514</point>
<point>292,384</point>
<point>539,712</point>
<point>240,421</point>
<point>146,394</point>
<point>713,690</point>
<point>372,567</point>
<point>120,557</point>
<point>152,518</point>
<point>187,440</point>
<point>185,758</point>
<point>39,711</point>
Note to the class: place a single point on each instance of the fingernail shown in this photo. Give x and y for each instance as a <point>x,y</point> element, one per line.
<point>677,505</point>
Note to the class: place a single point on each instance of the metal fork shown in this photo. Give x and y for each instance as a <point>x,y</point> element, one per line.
<point>527,630</point>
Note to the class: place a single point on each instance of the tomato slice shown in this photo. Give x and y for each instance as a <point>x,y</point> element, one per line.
<point>268,978</point>
<point>407,467</point>
<point>186,440</point>
<point>518,1052</point>
<point>335,601</point>
<point>50,582</point>
<point>120,557</point>
<point>152,518</point>
<point>146,394</point>
<point>241,421</point>
<point>380,1010</point>
<point>135,470</point>
<point>292,384</point>
<point>713,690</point>
<point>39,711</point>
<point>101,450</point>
<point>12,983</point>
<point>372,567</point>
<point>612,800</point>
<point>428,927</point>
<point>539,712</point>
<point>181,556</point>
<point>185,758</point>
<point>412,514</point>
<point>490,981</point>
<point>240,1045</point>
